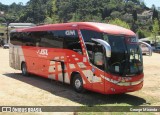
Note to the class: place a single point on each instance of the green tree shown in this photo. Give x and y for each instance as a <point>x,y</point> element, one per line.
<point>54,11</point>
<point>34,12</point>
<point>2,20</point>
<point>155,13</point>
<point>140,34</point>
<point>120,23</point>
<point>155,31</point>
<point>115,14</point>
<point>48,20</point>
<point>134,14</point>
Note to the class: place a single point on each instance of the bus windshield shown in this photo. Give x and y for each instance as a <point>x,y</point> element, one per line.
<point>126,57</point>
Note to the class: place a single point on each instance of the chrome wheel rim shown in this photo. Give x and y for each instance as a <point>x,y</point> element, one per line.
<point>24,69</point>
<point>77,83</point>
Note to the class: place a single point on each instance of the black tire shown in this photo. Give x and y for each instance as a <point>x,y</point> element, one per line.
<point>24,69</point>
<point>78,84</point>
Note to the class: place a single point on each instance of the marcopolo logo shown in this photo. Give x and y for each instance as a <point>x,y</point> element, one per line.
<point>70,32</point>
<point>43,52</point>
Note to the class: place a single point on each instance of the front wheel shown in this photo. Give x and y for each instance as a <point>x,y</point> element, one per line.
<point>78,83</point>
<point>24,69</point>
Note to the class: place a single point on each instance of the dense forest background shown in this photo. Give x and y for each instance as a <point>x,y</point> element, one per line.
<point>130,13</point>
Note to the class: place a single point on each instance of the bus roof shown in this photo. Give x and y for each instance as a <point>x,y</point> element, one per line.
<point>101,27</point>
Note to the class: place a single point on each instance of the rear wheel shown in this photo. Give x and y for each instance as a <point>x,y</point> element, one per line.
<point>78,84</point>
<point>24,69</point>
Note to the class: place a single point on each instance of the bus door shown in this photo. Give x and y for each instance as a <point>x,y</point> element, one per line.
<point>99,65</point>
<point>101,52</point>
<point>96,57</point>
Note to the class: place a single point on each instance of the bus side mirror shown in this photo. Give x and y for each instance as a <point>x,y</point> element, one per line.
<point>105,44</point>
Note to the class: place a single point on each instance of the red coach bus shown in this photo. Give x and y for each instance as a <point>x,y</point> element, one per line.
<point>99,57</point>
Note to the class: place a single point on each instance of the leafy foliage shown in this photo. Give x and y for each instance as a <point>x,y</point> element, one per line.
<point>55,11</point>
<point>120,23</point>
<point>155,31</point>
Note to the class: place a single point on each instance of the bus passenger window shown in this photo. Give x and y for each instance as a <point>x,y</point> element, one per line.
<point>98,58</point>
<point>75,47</point>
<point>72,42</point>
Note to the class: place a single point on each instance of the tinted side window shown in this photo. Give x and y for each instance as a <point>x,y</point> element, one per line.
<point>15,38</point>
<point>71,41</point>
<point>37,38</point>
<point>94,50</point>
<point>56,39</point>
<point>88,34</point>
<point>28,39</point>
<point>50,39</point>
<point>53,39</point>
<point>67,39</point>
<point>24,38</point>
